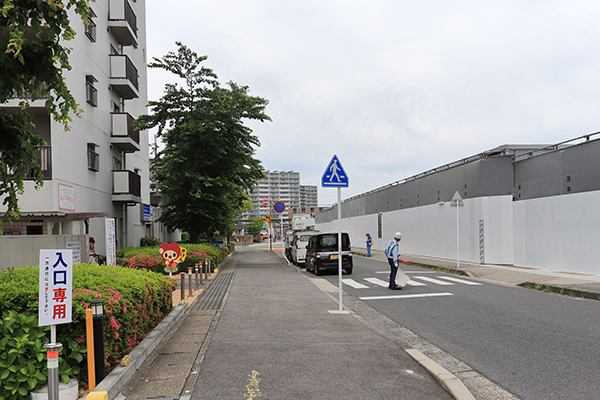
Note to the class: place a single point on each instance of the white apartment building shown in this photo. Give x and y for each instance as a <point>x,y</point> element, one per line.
<point>99,168</point>
<point>308,196</point>
<point>277,186</point>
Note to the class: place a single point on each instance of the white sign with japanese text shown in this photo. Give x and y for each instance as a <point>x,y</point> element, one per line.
<point>111,242</point>
<point>56,287</point>
<point>76,247</point>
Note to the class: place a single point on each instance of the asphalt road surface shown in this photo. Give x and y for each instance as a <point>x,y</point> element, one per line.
<point>536,345</point>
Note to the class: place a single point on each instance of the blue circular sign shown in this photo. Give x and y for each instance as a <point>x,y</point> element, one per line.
<point>279,207</point>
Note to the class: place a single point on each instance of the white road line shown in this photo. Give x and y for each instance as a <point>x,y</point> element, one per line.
<point>415,283</point>
<point>438,282</point>
<point>420,272</point>
<point>354,284</point>
<point>405,296</point>
<point>449,278</point>
<point>378,282</point>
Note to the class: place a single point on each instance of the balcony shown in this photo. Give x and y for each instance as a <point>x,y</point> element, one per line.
<point>123,135</point>
<point>122,22</point>
<point>126,187</point>
<point>44,154</point>
<point>123,76</point>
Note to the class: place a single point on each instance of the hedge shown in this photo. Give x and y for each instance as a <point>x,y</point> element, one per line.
<point>150,259</point>
<point>135,301</point>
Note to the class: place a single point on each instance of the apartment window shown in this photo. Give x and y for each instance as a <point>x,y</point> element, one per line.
<point>116,164</point>
<point>91,93</point>
<point>90,28</point>
<point>93,158</point>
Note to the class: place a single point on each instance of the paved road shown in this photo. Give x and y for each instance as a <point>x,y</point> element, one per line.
<point>276,338</point>
<point>536,345</point>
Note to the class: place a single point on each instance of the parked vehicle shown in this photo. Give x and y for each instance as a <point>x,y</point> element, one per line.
<point>299,223</point>
<point>299,246</point>
<point>322,253</point>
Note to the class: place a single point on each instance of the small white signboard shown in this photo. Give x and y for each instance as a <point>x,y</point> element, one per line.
<point>56,287</point>
<point>111,242</point>
<point>66,197</point>
<point>76,247</point>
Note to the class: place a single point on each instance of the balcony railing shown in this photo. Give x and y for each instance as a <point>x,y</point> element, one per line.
<point>126,183</point>
<point>28,94</point>
<point>124,77</point>
<point>44,155</point>
<point>123,131</point>
<point>123,22</point>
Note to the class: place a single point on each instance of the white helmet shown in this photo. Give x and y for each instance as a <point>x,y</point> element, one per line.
<point>397,235</point>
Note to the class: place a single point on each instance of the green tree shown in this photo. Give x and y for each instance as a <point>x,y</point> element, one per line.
<point>254,225</point>
<point>33,57</point>
<point>207,165</point>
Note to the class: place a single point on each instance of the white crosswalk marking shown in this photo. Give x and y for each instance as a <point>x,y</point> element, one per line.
<point>405,296</point>
<point>436,281</point>
<point>415,283</point>
<point>378,282</point>
<point>449,278</point>
<point>354,284</point>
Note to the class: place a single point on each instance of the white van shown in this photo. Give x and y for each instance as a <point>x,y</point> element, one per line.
<point>299,244</point>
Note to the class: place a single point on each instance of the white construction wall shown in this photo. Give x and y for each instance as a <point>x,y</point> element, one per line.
<point>555,233</point>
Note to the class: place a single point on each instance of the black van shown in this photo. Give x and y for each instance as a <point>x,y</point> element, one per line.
<point>322,253</point>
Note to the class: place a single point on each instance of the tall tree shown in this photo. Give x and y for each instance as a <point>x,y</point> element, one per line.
<point>207,164</point>
<point>33,57</point>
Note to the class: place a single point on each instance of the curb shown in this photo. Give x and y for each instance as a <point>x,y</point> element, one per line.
<point>112,384</point>
<point>448,381</point>
<point>561,290</point>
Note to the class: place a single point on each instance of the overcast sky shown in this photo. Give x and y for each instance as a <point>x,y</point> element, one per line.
<point>394,87</point>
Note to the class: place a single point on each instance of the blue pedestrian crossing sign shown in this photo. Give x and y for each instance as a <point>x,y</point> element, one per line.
<point>334,175</point>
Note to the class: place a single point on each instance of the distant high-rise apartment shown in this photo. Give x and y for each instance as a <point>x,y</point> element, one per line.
<point>308,196</point>
<point>281,186</point>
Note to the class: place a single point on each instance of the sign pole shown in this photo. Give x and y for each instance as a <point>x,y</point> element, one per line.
<point>339,195</point>
<point>457,202</point>
<point>457,237</point>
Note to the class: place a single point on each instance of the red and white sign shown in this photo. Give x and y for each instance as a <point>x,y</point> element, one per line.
<point>56,287</point>
<point>66,197</point>
<point>265,202</point>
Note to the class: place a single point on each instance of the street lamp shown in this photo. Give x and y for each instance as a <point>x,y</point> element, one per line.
<point>98,318</point>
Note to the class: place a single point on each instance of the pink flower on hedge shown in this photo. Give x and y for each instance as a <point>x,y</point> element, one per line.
<point>116,337</point>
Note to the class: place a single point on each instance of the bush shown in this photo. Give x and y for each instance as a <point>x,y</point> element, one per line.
<point>135,301</point>
<point>149,258</point>
<point>149,241</point>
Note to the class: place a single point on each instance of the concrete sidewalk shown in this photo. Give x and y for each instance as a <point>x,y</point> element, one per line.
<point>274,336</point>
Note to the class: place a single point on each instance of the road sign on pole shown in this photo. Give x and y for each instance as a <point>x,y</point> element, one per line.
<point>269,218</point>
<point>265,202</point>
<point>279,207</point>
<point>334,175</point>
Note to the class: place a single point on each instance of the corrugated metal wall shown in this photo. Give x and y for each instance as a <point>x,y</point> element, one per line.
<point>540,211</point>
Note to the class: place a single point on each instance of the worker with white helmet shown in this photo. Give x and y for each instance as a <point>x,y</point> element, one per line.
<point>392,253</point>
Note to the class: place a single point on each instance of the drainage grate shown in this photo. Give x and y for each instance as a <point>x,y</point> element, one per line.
<point>211,298</point>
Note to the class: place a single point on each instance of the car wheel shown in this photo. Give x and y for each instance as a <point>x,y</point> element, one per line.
<point>349,271</point>
<point>316,270</point>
